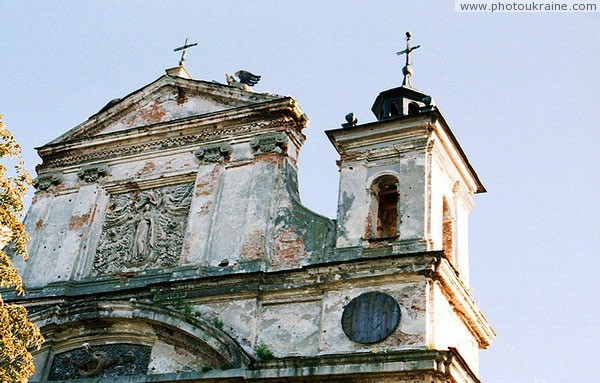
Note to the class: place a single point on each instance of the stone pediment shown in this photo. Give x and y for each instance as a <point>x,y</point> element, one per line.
<point>166,99</point>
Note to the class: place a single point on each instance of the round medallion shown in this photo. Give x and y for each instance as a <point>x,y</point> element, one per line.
<point>370,317</point>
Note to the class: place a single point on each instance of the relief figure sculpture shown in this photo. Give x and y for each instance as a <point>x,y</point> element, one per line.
<point>144,244</point>
<point>142,230</point>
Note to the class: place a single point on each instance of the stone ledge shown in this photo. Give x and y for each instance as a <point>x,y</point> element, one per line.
<point>373,263</point>
<point>448,365</point>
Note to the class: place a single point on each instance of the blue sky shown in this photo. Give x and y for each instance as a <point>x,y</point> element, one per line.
<point>520,91</point>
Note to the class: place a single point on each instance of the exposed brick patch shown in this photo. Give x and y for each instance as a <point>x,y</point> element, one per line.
<point>207,183</point>
<point>148,167</point>
<point>368,226</point>
<point>288,249</point>
<point>181,96</point>
<point>205,208</point>
<point>447,237</point>
<point>78,221</point>
<point>39,224</point>
<point>272,158</point>
<point>148,115</point>
<point>254,246</point>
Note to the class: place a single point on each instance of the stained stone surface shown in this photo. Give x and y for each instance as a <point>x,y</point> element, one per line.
<point>143,230</point>
<point>101,362</point>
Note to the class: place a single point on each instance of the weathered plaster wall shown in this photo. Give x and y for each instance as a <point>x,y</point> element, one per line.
<point>447,183</point>
<point>244,210</point>
<point>410,334</point>
<point>307,322</point>
<point>201,212</point>
<point>441,188</point>
<point>49,264</point>
<point>167,358</point>
<point>291,328</point>
<point>449,330</point>
<point>353,205</point>
<point>166,106</point>
<point>355,199</point>
<point>239,316</point>
<point>463,210</point>
<point>411,187</point>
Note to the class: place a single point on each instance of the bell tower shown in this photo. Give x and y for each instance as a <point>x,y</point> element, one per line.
<point>406,191</point>
<point>405,182</point>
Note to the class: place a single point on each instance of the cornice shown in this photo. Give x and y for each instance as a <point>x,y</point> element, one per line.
<point>462,301</point>
<point>205,283</point>
<point>449,157</point>
<point>361,137</point>
<point>238,123</point>
<point>369,367</point>
<point>250,277</point>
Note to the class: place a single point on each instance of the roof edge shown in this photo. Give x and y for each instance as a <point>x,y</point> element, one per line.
<point>119,102</point>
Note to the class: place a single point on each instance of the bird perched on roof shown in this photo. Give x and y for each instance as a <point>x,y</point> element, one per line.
<point>247,78</point>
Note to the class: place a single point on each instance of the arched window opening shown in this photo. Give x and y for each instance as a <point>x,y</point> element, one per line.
<point>413,108</point>
<point>384,213</point>
<point>394,108</point>
<point>447,231</point>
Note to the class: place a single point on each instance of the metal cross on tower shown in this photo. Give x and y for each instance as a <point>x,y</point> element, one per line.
<point>407,70</point>
<point>184,48</point>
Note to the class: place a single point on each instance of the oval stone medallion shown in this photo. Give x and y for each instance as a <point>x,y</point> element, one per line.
<point>370,317</point>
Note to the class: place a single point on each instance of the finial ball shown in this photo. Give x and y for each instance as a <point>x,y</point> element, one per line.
<point>408,34</point>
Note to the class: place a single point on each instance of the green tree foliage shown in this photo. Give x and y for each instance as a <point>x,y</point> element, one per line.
<point>18,334</point>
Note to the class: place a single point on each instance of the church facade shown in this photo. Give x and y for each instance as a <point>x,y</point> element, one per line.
<point>169,244</point>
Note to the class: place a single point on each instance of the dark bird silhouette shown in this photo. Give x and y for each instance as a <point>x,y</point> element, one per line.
<point>247,77</point>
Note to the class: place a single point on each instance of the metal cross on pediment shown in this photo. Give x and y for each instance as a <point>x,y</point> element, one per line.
<point>407,70</point>
<point>184,48</point>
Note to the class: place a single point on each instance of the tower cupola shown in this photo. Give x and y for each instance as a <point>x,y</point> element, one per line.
<point>404,100</point>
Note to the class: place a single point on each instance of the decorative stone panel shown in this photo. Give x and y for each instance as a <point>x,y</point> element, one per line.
<point>46,180</point>
<point>214,152</point>
<point>143,230</point>
<point>268,143</point>
<point>101,362</point>
<point>371,317</point>
<point>92,173</point>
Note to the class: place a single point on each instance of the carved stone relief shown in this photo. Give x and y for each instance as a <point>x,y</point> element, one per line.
<point>101,361</point>
<point>46,180</point>
<point>214,152</point>
<point>269,142</point>
<point>92,173</point>
<point>143,230</point>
